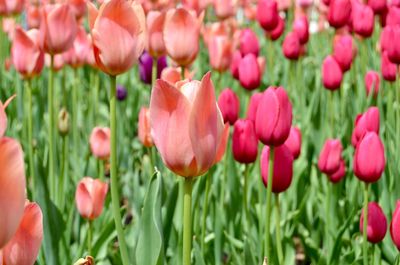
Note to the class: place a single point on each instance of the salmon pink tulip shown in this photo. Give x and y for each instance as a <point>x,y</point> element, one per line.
<point>100,142</point>
<point>144,130</point>
<point>220,51</point>
<point>89,197</point>
<point>155,25</point>
<point>77,54</point>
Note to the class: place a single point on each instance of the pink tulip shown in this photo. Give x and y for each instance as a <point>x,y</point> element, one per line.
<point>89,197</point>
<point>372,82</point>
<point>12,188</point>
<point>339,174</point>
<point>173,74</point>
<point>224,8</point>
<point>27,57</point>
<point>343,52</point>
<point>300,27</point>
<point>366,122</point>
<point>58,28</point>
<point>249,72</point>
<point>388,69</point>
<point>228,103</point>
<point>24,246</point>
<point>79,8</point>
<point>155,25</point>
<point>221,148</point>
<point>220,51</point>
<point>100,142</point>
<point>377,224</point>
<point>181,25</point>
<point>76,56</point>
<point>339,13</point>
<point>144,129</point>
<point>33,16</point>
<point>293,142</point>
<point>393,16</point>
<point>291,46</point>
<point>378,6</point>
<point>249,43</point>
<point>393,50</point>
<point>277,32</point>
<point>11,7</point>
<point>125,21</point>
<point>304,3</point>
<point>395,226</point>
<point>331,74</point>
<point>386,38</point>
<point>283,168</point>
<point>363,20</point>
<point>369,158</point>
<point>274,117</point>
<point>187,126</point>
<point>244,142</point>
<point>330,156</point>
<point>267,14</point>
<point>253,106</point>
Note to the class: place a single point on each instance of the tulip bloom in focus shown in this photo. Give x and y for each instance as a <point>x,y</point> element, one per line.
<point>89,197</point>
<point>366,122</point>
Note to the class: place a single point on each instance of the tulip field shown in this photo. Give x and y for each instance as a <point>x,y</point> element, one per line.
<point>204,132</point>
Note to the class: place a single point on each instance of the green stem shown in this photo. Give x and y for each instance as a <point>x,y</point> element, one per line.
<point>205,210</point>
<point>154,72</point>
<point>278,231</point>
<point>187,220</point>
<point>64,162</point>
<point>100,165</point>
<point>89,240</point>
<point>245,206</point>
<point>328,216</point>
<point>30,137</point>
<point>113,171</point>
<point>75,121</point>
<point>50,98</point>
<point>332,113</point>
<point>268,208</point>
<point>365,242</point>
<point>95,97</point>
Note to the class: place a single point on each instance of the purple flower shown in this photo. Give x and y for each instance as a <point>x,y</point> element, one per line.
<point>121,93</point>
<point>146,67</point>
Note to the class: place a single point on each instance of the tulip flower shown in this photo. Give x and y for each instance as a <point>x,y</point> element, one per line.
<point>121,93</point>
<point>27,57</point>
<point>236,59</point>
<point>181,36</point>
<point>274,117</point>
<point>300,27</point>
<point>33,16</point>
<point>24,246</point>
<point>267,14</point>
<point>146,67</point>
<point>331,74</point>
<point>192,126</point>
<point>249,43</point>
<point>378,6</point>
<point>372,82</point>
<point>249,72</point>
<point>79,8</point>
<point>293,142</point>
<point>366,122</point>
<point>283,168</point>
<point>330,156</point>
<point>343,52</point>
<point>369,158</point>
<point>155,25</point>
<point>244,142</point>
<point>12,188</point>
<point>291,46</point>
<point>220,51</point>
<point>393,51</point>
<point>173,74</point>
<point>100,142</point>
<point>89,197</point>
<point>277,32</point>
<point>58,28</point>
<point>376,225</point>
<point>253,106</point>
<point>63,122</point>
<point>144,127</point>
<point>388,69</point>
<point>393,16</point>
<point>125,21</point>
<point>385,38</point>
<point>11,7</point>
<point>224,8</point>
<point>228,103</point>
<point>363,20</point>
<point>339,13</point>
<point>395,226</point>
<point>339,174</point>
<point>77,54</point>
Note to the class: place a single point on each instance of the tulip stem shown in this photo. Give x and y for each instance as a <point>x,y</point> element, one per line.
<point>75,121</point>
<point>113,171</point>
<point>245,207</point>
<point>365,242</point>
<point>100,164</point>
<point>268,209</point>
<point>182,72</point>
<point>187,220</point>
<point>154,72</point>
<point>278,230</point>
<point>64,164</point>
<point>50,99</point>
<point>89,237</point>
<point>332,113</point>
<point>205,210</point>
<point>30,138</point>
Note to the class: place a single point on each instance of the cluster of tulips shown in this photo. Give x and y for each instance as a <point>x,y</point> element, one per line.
<point>193,124</point>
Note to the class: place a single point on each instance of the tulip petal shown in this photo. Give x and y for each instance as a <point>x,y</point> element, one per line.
<point>222,144</point>
<point>3,120</point>
<point>83,199</point>
<point>100,190</point>
<point>93,13</point>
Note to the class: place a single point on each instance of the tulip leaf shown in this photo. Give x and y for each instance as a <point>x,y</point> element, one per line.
<point>150,245</point>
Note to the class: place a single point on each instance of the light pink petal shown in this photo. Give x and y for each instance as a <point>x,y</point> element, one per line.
<point>99,194</point>
<point>83,198</point>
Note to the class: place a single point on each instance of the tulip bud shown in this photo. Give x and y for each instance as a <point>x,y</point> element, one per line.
<point>89,197</point>
<point>236,59</point>
<point>378,6</point>
<point>339,174</point>
<point>224,8</point>
<point>363,20</point>
<point>372,82</point>
<point>377,224</point>
<point>331,74</point>
<point>283,168</point>
<point>146,67</point>
<point>220,52</point>
<point>253,105</point>
<point>121,93</point>
<point>249,43</point>
<point>228,103</point>
<point>330,156</point>
<point>395,226</point>
<point>155,24</point>
<point>369,158</point>
<point>393,16</point>
<point>144,127</point>
<point>300,27</point>
<point>392,48</point>
<point>267,14</point>
<point>366,122</point>
<point>388,69</point>
<point>343,52</point>
<point>63,122</point>
<point>277,32</point>
<point>244,142</point>
<point>249,72</point>
<point>293,142</point>
<point>339,13</point>
<point>291,46</point>
<point>88,260</point>
<point>274,117</point>
<point>100,142</point>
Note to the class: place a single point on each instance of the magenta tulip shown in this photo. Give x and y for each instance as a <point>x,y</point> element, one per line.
<point>253,105</point>
<point>363,20</point>
<point>343,52</point>
<point>377,223</point>
<point>291,46</point>
<point>339,13</point>
<point>267,14</point>
<point>293,142</point>
<point>244,142</point>
<point>339,174</point>
<point>388,69</point>
<point>366,122</point>
<point>331,74</point>
<point>249,42</point>
<point>228,103</point>
<point>372,82</point>
<point>330,156</point>
<point>395,226</point>
<point>249,72</point>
